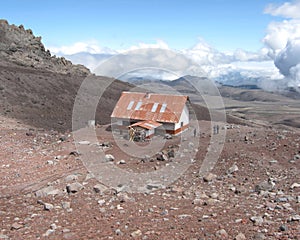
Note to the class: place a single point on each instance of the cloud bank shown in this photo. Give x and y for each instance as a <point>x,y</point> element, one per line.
<point>215,64</point>
<point>91,47</point>
<point>279,59</point>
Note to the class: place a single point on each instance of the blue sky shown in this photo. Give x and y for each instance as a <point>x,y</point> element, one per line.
<point>242,39</point>
<point>118,24</point>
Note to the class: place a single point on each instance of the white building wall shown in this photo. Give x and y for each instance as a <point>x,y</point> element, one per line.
<point>149,132</point>
<point>184,118</point>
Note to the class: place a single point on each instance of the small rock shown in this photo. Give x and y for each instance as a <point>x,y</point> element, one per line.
<point>176,189</point>
<point>53,226</point>
<point>63,138</point>
<point>209,177</point>
<point>109,158</point>
<point>119,207</point>
<point>71,177</point>
<point>273,161</point>
<point>66,205</point>
<point>297,157</point>
<point>102,210</point>
<point>197,201</point>
<point>281,199</point>
<point>119,232</point>
<point>280,137</point>
<point>264,186</point>
<point>283,228</point>
<point>48,232</point>
<point>214,195</point>
<point>122,162</point>
<point>136,233</point>
<point>48,206</point>
<point>74,187</point>
<point>162,157</point>
<point>16,226</point>
<point>168,136</point>
<point>74,153</point>
<point>294,218</point>
<point>101,202</point>
<point>171,153</point>
<point>222,234</point>
<point>240,236</point>
<point>84,142</point>
<point>209,202</point>
<point>234,168</point>
<point>259,236</point>
<point>184,216</point>
<point>146,158</point>
<point>123,197</point>
<point>257,220</point>
<point>153,186</point>
<point>106,144</point>
<point>55,192</point>
<point>44,191</point>
<point>99,188</point>
<point>50,162</point>
<point>295,185</point>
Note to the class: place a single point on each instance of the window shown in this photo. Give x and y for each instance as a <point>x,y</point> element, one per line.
<point>154,107</point>
<point>163,108</point>
<point>138,106</point>
<point>130,105</point>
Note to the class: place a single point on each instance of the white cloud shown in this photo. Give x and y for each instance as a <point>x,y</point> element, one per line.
<point>203,53</point>
<point>287,9</point>
<point>279,33</point>
<point>150,74</point>
<point>283,41</point>
<point>288,57</point>
<point>92,47</point>
<point>159,44</point>
<point>288,62</point>
<point>89,60</point>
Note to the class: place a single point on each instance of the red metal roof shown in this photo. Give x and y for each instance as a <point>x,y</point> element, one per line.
<point>146,124</point>
<point>150,106</point>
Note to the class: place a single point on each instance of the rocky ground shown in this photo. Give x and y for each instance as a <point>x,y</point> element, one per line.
<point>253,192</point>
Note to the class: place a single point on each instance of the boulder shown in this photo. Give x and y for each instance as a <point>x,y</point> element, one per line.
<point>109,158</point>
<point>74,187</point>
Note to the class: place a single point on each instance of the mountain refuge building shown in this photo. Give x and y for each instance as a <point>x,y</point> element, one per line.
<point>152,113</point>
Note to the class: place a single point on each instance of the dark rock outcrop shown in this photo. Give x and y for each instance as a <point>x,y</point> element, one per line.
<point>21,47</point>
